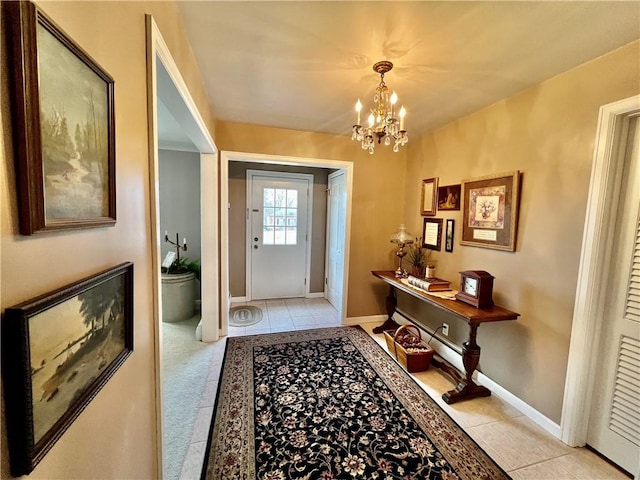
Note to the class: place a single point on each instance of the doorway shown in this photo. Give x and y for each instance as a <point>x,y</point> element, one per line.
<point>614,423</point>
<point>591,332</point>
<point>166,84</point>
<point>225,159</point>
<point>278,234</point>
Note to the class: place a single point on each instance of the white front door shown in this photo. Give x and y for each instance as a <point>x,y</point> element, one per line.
<point>614,423</point>
<point>278,234</point>
<point>337,205</point>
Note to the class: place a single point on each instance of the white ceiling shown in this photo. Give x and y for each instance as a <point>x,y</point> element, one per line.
<point>302,65</point>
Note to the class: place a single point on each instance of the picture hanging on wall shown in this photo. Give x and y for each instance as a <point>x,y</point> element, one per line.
<point>58,351</point>
<point>490,211</point>
<point>63,109</point>
<point>429,197</point>
<point>448,235</point>
<point>432,233</point>
<point>449,197</point>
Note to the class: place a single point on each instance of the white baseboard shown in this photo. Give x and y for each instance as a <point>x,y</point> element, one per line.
<point>309,295</point>
<point>359,320</point>
<point>455,359</point>
<point>530,412</point>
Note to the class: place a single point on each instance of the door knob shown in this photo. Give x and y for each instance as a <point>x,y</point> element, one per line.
<point>255,247</point>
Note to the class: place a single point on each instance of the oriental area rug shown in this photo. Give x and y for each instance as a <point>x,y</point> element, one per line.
<point>331,404</point>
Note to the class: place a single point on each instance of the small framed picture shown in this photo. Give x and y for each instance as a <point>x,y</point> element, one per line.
<point>432,233</point>
<point>448,235</point>
<point>429,197</point>
<point>449,197</point>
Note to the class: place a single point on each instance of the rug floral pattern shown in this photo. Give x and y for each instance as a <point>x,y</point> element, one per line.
<point>330,404</point>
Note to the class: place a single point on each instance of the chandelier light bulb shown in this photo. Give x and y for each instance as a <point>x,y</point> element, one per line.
<point>384,128</point>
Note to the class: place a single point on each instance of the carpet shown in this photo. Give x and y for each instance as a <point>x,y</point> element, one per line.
<point>244,315</point>
<point>331,404</point>
<point>185,368</point>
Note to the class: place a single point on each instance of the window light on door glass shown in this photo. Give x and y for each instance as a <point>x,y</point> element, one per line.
<point>280,217</point>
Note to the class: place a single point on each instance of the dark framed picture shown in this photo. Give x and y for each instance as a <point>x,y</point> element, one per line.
<point>63,120</point>
<point>448,235</point>
<point>432,233</point>
<point>58,351</point>
<point>490,211</point>
<point>429,197</point>
<point>449,197</point>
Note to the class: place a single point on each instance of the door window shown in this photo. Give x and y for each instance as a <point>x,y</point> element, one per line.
<point>280,219</point>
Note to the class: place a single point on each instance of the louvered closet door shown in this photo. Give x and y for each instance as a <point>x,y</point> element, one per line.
<point>614,426</point>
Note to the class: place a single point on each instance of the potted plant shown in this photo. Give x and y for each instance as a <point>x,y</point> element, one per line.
<point>183,265</point>
<point>418,257</point>
<point>178,284</point>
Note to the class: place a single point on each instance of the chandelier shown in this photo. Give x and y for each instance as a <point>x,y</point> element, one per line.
<point>383,124</point>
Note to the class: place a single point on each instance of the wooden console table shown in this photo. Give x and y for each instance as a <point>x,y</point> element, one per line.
<point>465,388</point>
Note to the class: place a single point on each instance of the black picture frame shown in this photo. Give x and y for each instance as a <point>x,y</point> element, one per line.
<point>64,126</point>
<point>448,235</point>
<point>432,233</point>
<point>58,351</point>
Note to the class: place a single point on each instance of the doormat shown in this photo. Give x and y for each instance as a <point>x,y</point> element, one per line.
<point>244,315</point>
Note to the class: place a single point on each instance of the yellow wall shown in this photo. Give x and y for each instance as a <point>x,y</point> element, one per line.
<point>378,181</point>
<point>115,436</point>
<point>548,133</point>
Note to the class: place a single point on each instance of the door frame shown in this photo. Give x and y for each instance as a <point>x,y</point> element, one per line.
<point>307,262</point>
<point>184,109</point>
<point>231,156</point>
<point>604,187</point>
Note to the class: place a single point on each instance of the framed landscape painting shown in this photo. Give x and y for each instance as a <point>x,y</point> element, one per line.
<point>63,120</point>
<point>490,211</point>
<point>58,351</point>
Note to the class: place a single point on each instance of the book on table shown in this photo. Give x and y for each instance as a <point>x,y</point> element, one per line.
<point>429,284</point>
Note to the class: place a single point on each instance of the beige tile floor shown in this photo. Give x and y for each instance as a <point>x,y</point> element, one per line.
<point>517,444</point>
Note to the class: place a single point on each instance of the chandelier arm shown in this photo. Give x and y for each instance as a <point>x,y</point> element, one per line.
<point>383,123</point>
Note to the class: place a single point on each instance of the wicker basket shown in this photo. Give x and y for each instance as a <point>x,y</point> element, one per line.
<point>409,349</point>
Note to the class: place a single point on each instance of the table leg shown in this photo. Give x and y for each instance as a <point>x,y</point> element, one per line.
<point>390,303</point>
<point>466,387</point>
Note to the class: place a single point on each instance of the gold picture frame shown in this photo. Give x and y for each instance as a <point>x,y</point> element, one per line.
<point>429,197</point>
<point>490,211</point>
